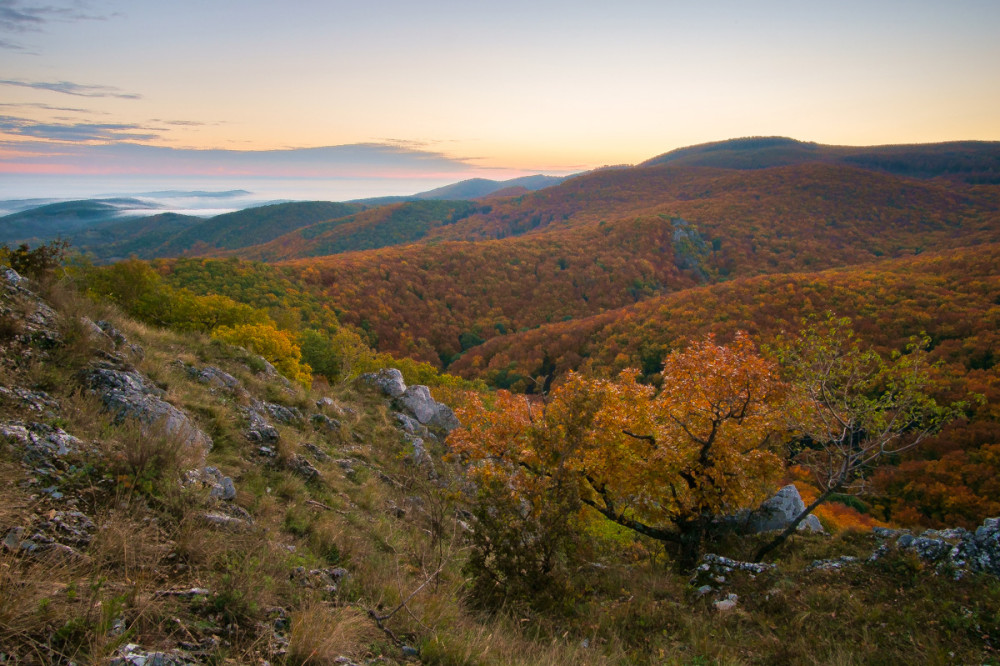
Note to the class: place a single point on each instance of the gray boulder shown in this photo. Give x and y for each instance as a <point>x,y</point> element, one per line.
<point>299,465</point>
<point>280,413</point>
<point>778,512</point>
<point>259,429</point>
<point>128,394</point>
<point>417,401</point>
<point>324,422</point>
<point>411,426</point>
<point>218,379</point>
<point>388,380</point>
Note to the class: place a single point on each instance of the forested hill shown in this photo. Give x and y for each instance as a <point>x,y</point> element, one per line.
<point>968,161</point>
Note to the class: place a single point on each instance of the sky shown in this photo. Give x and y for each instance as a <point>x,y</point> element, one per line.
<point>443,90</point>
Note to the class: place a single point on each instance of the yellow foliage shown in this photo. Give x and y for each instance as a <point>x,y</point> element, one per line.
<point>274,345</point>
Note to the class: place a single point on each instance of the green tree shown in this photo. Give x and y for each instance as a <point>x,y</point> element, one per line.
<point>852,407</point>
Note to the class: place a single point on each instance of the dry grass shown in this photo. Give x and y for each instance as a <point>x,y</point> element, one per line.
<point>322,633</point>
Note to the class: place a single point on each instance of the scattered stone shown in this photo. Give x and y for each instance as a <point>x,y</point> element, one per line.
<point>319,579</point>
<point>36,401</point>
<point>388,380</point>
<point>832,564</point>
<point>888,533</point>
<point>326,403</point>
<point>223,520</point>
<point>267,451</point>
<point>128,394</point>
<point>188,593</point>
<point>716,570</point>
<point>318,453</point>
<point>14,541</point>
<point>728,603</point>
<point>303,467</point>
<point>133,655</point>
<point>259,429</point>
<point>44,447</point>
<point>325,422</point>
<point>71,528</point>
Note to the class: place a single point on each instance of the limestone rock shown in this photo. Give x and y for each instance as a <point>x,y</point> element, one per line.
<point>128,394</point>
<point>219,379</point>
<point>36,401</point>
<point>280,413</point>
<point>418,401</point>
<point>833,563</point>
<point>324,422</point>
<point>303,467</point>
<point>728,603</point>
<point>388,380</point>
<point>956,550</point>
<point>411,426</point>
<point>42,445</point>
<point>133,655</point>
<point>779,511</point>
<point>259,429</point>
<point>220,487</point>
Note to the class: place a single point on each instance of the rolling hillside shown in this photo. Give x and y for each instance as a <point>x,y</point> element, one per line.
<point>626,236</point>
<point>967,161</point>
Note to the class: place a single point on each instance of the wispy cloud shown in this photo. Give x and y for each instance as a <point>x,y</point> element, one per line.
<point>110,149</point>
<point>45,107</point>
<point>70,88</point>
<point>181,123</point>
<point>20,17</point>
<point>75,132</point>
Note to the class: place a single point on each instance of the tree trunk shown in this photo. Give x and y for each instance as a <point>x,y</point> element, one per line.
<point>691,534</point>
<point>790,530</point>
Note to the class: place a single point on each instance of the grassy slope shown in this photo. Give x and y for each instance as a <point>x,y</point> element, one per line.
<point>392,527</point>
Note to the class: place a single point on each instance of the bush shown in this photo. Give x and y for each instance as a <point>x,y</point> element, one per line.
<point>38,263</point>
<point>275,345</point>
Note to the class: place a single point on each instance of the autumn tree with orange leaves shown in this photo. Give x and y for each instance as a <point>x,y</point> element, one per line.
<point>660,463</point>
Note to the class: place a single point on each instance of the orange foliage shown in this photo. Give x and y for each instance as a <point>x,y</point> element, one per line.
<point>661,463</point>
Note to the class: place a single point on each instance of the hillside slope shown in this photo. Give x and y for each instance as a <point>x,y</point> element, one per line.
<point>965,161</point>
<point>166,499</point>
<point>629,236</point>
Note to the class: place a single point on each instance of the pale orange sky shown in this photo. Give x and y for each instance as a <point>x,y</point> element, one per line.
<point>539,86</point>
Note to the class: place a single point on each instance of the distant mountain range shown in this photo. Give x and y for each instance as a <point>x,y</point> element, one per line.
<point>119,227</point>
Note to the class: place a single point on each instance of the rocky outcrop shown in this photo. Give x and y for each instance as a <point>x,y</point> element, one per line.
<point>778,512</point>
<point>957,550</point>
<point>259,429</point>
<point>387,380</point>
<point>43,447</point>
<point>415,401</point>
<point>36,321</point>
<point>130,395</point>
